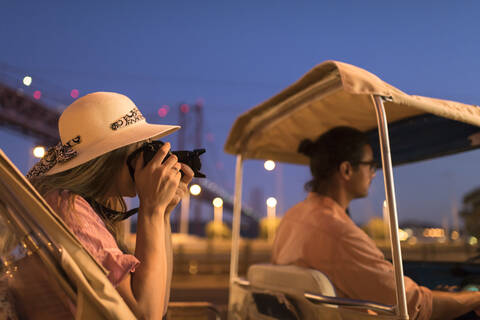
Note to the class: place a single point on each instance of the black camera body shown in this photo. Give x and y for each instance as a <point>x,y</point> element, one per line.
<point>149,149</point>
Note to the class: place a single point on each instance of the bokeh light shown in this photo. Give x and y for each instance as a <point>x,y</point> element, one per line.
<point>200,102</point>
<point>472,241</point>
<point>217,202</point>
<point>74,93</point>
<point>269,165</point>
<point>27,80</point>
<point>271,202</point>
<point>184,108</point>
<point>402,234</point>
<point>162,112</point>
<point>195,189</point>
<point>210,137</point>
<point>37,94</point>
<point>455,235</point>
<point>38,152</point>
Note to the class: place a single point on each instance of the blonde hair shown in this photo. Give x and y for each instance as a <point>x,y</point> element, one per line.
<point>92,179</point>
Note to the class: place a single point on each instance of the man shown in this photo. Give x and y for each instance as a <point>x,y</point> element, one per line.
<point>318,233</point>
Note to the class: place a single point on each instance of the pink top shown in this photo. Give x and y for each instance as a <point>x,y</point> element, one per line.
<point>317,233</point>
<point>93,234</point>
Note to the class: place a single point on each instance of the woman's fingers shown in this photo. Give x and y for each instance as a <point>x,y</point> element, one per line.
<point>187,173</point>
<point>161,153</point>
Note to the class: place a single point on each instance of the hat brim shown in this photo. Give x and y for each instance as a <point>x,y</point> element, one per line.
<point>126,136</point>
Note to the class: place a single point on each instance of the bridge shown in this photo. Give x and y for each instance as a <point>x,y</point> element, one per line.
<point>22,113</point>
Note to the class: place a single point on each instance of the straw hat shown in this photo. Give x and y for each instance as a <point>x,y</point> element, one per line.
<point>96,124</point>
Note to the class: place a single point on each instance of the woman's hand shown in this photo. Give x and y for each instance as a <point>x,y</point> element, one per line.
<point>157,182</point>
<point>182,187</point>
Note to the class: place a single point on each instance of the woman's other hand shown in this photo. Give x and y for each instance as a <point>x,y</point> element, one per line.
<point>182,187</point>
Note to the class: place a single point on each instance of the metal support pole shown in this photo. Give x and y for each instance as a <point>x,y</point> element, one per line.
<point>184,213</point>
<point>237,211</point>
<point>402,311</point>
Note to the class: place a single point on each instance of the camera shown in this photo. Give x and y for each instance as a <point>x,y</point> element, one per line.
<point>149,149</point>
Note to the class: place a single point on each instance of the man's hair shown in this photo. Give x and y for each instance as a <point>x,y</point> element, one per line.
<point>329,151</point>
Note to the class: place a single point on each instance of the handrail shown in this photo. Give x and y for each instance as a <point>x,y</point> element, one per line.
<point>345,302</point>
<point>353,303</point>
<point>391,204</point>
<point>241,282</point>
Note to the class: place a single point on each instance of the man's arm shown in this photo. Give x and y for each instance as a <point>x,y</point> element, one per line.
<point>449,305</point>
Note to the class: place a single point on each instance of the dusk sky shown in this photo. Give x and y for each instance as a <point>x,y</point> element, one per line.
<point>233,56</point>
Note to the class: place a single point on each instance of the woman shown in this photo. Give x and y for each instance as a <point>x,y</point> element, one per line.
<point>85,177</point>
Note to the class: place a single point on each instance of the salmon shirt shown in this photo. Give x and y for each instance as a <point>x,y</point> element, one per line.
<point>89,228</point>
<point>318,234</point>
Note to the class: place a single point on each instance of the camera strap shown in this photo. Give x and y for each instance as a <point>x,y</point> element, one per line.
<point>108,213</point>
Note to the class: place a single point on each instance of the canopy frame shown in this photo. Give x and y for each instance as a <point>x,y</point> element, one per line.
<point>401,310</point>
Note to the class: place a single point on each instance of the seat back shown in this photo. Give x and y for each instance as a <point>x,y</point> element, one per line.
<point>290,279</point>
<point>279,293</point>
<point>44,267</point>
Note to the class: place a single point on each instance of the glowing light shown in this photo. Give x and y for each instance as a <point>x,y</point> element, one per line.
<point>193,267</point>
<point>74,93</point>
<point>472,241</point>
<point>38,152</point>
<point>455,235</point>
<point>27,81</point>
<point>217,202</point>
<point>271,202</point>
<point>162,112</point>
<point>195,189</point>
<point>433,233</point>
<point>184,108</point>
<point>402,234</point>
<point>269,165</point>
<point>37,94</point>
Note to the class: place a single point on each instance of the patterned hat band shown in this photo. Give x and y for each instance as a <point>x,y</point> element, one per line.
<point>60,153</point>
<point>130,118</point>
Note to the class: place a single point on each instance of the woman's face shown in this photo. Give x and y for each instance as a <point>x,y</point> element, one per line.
<point>123,182</point>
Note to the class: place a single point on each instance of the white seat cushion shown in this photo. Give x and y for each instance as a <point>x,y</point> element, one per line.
<point>290,279</point>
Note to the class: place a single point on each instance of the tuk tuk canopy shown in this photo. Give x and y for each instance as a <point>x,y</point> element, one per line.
<point>339,94</point>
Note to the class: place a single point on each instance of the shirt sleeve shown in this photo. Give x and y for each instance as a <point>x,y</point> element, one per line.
<point>365,274</point>
<point>90,230</point>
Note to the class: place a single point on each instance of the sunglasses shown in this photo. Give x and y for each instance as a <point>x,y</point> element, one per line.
<point>373,165</point>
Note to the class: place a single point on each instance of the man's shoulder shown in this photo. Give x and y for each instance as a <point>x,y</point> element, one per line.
<point>316,215</point>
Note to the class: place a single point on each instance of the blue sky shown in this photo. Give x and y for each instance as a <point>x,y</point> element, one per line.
<point>234,55</point>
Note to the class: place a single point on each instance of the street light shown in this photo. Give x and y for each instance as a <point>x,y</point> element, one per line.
<point>195,189</point>
<point>38,152</point>
<point>271,205</point>
<point>217,209</point>
<point>269,165</point>
<point>27,81</point>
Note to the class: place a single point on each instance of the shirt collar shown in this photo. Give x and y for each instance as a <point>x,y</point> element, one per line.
<point>329,203</point>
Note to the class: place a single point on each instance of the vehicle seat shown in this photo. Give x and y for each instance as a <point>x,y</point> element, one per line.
<point>279,292</point>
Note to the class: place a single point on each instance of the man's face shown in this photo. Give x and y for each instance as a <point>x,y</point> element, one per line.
<point>363,174</point>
